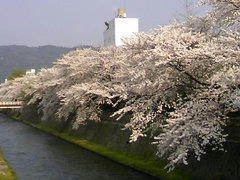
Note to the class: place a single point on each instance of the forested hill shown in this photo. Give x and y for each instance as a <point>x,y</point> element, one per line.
<point>15,56</point>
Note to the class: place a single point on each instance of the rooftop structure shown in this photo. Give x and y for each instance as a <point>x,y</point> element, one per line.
<point>119,28</point>
<point>30,72</point>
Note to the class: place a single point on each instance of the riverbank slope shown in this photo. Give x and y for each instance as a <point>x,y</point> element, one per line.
<point>105,138</point>
<point>6,172</point>
<point>109,140</point>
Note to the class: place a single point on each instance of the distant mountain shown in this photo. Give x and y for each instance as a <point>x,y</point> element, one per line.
<point>15,56</point>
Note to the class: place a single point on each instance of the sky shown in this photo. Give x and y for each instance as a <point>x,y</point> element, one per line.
<point>75,22</point>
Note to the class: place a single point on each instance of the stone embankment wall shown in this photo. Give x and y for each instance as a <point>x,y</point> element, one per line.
<point>109,133</point>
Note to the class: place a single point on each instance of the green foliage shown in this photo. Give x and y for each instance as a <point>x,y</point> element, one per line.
<point>16,73</point>
<point>6,173</point>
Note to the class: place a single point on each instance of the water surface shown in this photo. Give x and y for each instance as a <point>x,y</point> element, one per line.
<point>35,155</point>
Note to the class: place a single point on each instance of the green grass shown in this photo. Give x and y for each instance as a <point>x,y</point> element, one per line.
<point>6,172</point>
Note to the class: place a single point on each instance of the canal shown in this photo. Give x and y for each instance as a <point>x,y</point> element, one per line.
<point>35,155</point>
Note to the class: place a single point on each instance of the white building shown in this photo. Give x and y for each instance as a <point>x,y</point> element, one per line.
<point>119,28</point>
<point>30,72</point>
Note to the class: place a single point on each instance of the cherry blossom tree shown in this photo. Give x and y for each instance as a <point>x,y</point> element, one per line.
<point>223,15</point>
<point>178,82</point>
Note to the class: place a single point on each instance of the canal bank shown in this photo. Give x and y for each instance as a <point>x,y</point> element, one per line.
<point>36,155</point>
<point>6,172</point>
<point>107,139</point>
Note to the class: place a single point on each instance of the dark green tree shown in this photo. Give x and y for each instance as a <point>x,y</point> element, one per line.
<point>16,73</point>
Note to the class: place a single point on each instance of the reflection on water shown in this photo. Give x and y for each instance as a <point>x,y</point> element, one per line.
<point>35,155</point>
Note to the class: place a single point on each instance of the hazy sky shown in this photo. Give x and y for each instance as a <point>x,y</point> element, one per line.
<point>75,22</point>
